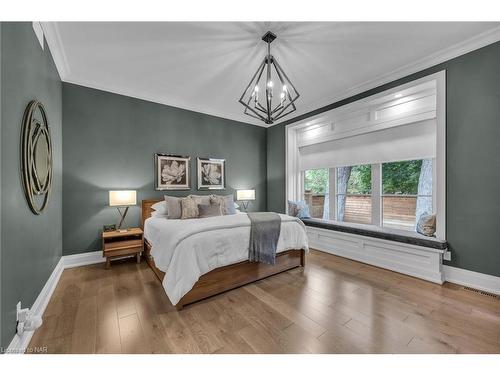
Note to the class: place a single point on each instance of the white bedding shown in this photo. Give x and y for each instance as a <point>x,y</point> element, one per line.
<point>187,249</point>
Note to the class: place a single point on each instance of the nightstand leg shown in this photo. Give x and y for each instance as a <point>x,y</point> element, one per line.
<point>107,263</point>
<point>138,256</point>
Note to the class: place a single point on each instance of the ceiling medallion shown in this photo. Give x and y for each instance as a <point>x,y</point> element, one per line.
<point>36,155</point>
<point>271,76</point>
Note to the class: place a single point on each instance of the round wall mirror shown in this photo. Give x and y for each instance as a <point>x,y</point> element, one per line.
<point>36,154</point>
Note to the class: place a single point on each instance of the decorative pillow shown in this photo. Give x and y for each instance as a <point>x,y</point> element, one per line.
<point>174,210</point>
<point>226,203</point>
<point>230,207</point>
<point>304,212</point>
<point>209,210</point>
<point>426,225</point>
<point>295,206</point>
<point>189,208</point>
<point>160,207</point>
<point>201,199</point>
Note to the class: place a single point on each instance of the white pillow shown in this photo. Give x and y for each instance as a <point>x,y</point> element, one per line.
<point>160,208</point>
<point>159,215</point>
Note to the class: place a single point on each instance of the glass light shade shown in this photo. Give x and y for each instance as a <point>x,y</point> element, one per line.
<point>245,195</point>
<point>122,197</point>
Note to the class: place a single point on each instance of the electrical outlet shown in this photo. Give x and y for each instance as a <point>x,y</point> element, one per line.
<point>447,255</point>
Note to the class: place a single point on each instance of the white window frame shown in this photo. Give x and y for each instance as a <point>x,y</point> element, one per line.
<point>295,177</point>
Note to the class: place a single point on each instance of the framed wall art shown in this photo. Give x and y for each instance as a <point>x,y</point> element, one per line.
<point>211,174</point>
<point>172,172</point>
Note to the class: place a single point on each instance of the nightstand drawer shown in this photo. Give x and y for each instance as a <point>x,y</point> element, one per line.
<point>128,244</point>
<point>122,252</point>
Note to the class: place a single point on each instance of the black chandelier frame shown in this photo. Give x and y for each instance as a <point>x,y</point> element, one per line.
<point>289,94</point>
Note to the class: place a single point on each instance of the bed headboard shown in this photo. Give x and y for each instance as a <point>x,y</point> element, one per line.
<point>146,209</point>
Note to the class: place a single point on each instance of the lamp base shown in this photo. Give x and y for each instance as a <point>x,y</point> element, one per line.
<point>122,220</point>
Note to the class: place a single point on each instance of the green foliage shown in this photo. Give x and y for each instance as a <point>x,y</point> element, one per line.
<point>316,180</point>
<point>401,177</point>
<point>397,178</point>
<point>360,181</point>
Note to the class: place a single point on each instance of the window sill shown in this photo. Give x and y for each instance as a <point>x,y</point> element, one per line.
<point>381,233</point>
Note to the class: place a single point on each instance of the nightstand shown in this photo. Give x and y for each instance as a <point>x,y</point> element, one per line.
<point>119,244</point>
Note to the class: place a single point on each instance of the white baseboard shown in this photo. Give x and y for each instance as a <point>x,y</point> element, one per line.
<point>19,343</point>
<point>481,281</point>
<point>84,259</point>
<point>424,263</point>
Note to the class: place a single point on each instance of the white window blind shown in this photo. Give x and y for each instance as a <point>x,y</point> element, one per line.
<point>408,142</point>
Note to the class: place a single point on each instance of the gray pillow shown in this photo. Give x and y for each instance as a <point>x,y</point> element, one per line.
<point>189,208</point>
<point>209,210</point>
<point>226,203</point>
<point>174,209</point>
<point>426,225</point>
<point>201,199</point>
<point>230,209</point>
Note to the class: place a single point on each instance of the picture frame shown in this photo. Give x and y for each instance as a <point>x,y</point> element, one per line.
<point>211,174</point>
<point>109,228</point>
<point>172,172</point>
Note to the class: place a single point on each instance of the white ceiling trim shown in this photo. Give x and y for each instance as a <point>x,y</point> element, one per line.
<point>56,46</point>
<point>53,37</point>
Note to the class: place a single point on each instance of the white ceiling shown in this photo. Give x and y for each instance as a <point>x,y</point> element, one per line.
<point>206,66</point>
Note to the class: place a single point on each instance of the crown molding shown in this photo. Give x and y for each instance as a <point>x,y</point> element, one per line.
<point>54,40</point>
<point>481,40</point>
<point>56,47</point>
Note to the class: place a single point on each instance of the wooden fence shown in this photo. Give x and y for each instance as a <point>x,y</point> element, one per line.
<point>398,211</point>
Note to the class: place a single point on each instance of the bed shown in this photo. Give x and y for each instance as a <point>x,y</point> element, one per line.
<point>199,258</point>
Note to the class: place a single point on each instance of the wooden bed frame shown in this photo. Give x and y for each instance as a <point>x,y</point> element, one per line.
<point>224,278</point>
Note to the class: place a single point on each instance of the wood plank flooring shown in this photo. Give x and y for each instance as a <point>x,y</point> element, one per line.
<point>333,305</point>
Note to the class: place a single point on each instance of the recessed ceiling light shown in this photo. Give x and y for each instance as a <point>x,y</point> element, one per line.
<point>398,95</point>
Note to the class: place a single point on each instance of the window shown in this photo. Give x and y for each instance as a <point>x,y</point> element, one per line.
<point>354,189</point>
<point>404,195</point>
<point>406,192</point>
<point>316,192</point>
<point>378,161</point>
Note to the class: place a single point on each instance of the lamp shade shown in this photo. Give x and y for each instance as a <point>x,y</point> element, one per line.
<point>245,195</point>
<point>122,197</point>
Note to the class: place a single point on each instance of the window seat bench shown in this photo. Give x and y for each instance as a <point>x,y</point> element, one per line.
<point>409,253</point>
<point>381,233</point>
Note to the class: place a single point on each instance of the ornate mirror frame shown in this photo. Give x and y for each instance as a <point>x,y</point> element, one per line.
<point>36,157</point>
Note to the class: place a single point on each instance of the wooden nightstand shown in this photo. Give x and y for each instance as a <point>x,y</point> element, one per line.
<point>118,244</point>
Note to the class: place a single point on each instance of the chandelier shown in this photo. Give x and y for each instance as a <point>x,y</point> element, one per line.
<point>269,75</point>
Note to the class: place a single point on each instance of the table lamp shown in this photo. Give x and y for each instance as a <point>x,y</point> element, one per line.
<point>245,196</point>
<point>120,199</point>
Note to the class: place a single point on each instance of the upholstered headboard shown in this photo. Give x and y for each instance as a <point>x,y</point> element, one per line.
<point>146,209</point>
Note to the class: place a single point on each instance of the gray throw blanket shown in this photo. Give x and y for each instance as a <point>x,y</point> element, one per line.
<point>264,234</point>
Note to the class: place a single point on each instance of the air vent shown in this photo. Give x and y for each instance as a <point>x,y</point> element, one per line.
<point>483,293</point>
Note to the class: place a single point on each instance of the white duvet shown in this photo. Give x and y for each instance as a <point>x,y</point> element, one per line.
<point>187,249</point>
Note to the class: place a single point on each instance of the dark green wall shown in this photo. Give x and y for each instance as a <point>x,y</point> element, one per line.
<point>31,245</point>
<point>109,141</point>
<point>276,168</point>
<point>472,151</point>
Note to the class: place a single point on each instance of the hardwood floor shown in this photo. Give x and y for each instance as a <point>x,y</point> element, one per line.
<point>334,305</point>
